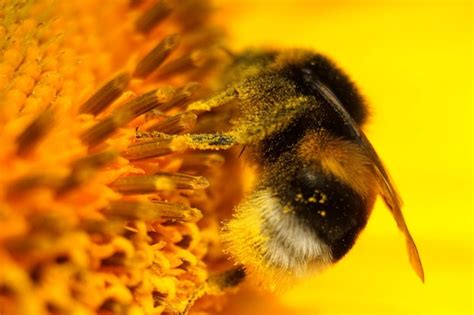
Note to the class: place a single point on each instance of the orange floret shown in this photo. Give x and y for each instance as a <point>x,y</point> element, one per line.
<point>94,217</point>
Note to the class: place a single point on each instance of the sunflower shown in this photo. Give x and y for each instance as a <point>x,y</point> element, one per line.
<point>99,213</point>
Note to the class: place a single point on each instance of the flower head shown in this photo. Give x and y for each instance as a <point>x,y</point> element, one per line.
<point>97,214</point>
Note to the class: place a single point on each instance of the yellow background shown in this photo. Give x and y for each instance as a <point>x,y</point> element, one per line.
<point>413,62</point>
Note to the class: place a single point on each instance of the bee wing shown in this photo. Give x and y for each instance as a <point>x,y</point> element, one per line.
<point>387,189</point>
<point>394,203</point>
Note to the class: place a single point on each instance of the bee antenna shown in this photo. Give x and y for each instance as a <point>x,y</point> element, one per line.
<point>227,51</point>
<point>241,152</point>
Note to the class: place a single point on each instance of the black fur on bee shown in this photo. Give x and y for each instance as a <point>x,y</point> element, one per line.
<point>299,117</point>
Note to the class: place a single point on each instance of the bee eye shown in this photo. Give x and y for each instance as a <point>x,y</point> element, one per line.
<point>307,71</point>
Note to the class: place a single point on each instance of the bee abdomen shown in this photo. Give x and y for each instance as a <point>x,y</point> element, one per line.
<point>333,211</point>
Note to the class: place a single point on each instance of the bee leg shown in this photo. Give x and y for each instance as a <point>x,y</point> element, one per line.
<point>216,284</point>
<point>228,279</point>
<point>215,101</point>
<point>209,141</point>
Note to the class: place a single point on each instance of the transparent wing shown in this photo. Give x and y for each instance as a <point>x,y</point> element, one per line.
<point>387,189</point>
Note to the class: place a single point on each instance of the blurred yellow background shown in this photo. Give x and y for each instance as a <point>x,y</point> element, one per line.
<point>413,62</point>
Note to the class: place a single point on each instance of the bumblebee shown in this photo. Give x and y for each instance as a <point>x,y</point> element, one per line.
<point>299,118</point>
